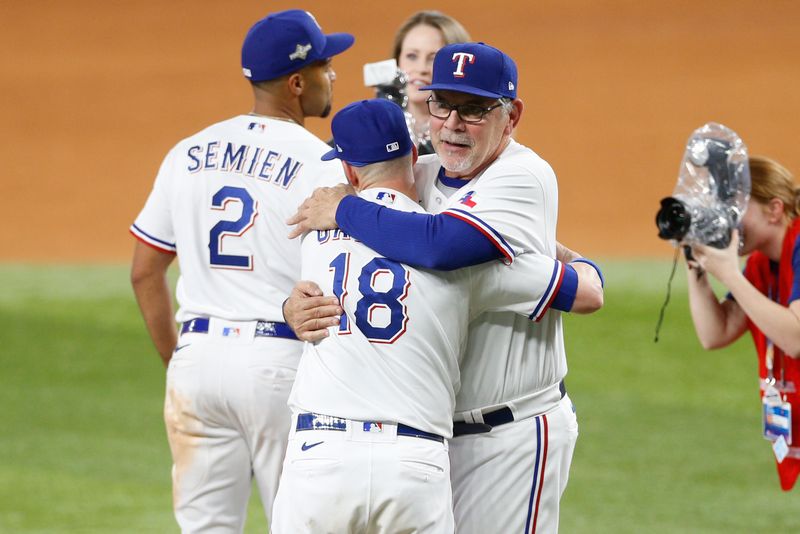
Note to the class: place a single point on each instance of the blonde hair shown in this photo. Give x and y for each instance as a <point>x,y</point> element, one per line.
<point>769,179</point>
<point>452,31</point>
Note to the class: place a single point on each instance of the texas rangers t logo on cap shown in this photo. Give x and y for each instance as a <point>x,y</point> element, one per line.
<point>460,58</point>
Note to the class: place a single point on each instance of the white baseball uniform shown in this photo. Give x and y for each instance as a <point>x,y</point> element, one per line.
<point>511,478</point>
<point>373,403</point>
<point>220,201</point>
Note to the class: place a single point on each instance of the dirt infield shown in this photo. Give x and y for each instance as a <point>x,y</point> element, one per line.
<point>95,93</point>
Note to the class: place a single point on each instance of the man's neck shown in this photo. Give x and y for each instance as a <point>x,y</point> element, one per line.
<point>273,112</point>
<point>267,104</point>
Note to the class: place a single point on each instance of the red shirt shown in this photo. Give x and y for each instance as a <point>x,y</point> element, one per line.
<point>778,281</point>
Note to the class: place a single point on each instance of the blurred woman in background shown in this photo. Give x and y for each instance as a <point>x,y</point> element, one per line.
<point>415,45</point>
<point>764,299</point>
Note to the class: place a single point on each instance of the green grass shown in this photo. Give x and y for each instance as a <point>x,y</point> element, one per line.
<point>669,433</point>
<point>669,437</point>
<point>83,445</point>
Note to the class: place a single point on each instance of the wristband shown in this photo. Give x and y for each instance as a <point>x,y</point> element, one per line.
<point>596,268</point>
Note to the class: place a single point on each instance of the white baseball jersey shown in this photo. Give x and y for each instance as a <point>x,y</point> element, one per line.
<point>221,199</point>
<point>395,355</point>
<point>509,362</point>
<point>514,202</point>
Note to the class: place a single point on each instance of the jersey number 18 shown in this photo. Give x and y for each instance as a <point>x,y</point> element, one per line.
<point>380,313</point>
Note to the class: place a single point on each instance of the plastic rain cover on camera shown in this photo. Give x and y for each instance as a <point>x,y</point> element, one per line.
<point>713,183</point>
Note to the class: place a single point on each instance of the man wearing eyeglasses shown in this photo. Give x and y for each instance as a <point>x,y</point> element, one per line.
<point>515,427</point>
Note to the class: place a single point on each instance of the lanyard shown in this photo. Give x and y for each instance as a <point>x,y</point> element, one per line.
<point>770,354</point>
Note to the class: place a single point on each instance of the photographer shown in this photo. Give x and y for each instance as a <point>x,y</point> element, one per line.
<point>765,298</point>
<point>415,45</point>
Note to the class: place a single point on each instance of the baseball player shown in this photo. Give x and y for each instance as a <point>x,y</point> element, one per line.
<point>219,202</point>
<point>373,403</point>
<point>515,426</point>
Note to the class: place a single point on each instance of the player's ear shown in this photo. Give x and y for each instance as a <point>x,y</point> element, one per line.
<point>517,108</point>
<point>295,83</point>
<point>414,154</point>
<point>352,177</point>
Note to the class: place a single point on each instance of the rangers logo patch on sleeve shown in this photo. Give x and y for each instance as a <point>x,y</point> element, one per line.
<point>469,199</point>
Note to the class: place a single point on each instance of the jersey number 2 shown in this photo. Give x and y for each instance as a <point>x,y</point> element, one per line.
<point>380,313</point>
<point>231,228</point>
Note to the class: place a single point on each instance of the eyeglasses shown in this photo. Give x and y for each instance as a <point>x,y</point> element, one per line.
<point>469,113</point>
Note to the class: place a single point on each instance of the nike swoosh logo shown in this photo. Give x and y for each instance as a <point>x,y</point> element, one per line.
<point>305,446</point>
<point>179,347</point>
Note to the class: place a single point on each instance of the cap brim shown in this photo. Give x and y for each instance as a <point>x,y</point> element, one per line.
<point>329,155</point>
<point>336,43</point>
<point>460,89</point>
<point>334,154</point>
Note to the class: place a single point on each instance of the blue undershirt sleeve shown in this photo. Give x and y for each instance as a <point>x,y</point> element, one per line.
<point>565,297</point>
<point>437,242</point>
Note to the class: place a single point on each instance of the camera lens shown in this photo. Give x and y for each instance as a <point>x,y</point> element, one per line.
<point>673,219</point>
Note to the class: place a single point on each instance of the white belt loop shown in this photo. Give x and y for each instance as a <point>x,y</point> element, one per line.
<point>474,416</point>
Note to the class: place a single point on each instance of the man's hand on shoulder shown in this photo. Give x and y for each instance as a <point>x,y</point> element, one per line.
<point>318,212</point>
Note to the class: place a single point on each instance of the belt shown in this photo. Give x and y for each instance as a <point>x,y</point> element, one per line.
<point>199,325</point>
<point>313,421</point>
<point>492,419</point>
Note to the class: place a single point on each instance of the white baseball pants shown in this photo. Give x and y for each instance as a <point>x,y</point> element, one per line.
<point>227,421</point>
<point>510,480</point>
<point>363,480</point>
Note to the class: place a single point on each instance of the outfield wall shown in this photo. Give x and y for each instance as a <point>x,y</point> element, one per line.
<point>95,93</point>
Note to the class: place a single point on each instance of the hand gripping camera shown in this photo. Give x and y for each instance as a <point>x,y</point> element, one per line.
<point>713,188</point>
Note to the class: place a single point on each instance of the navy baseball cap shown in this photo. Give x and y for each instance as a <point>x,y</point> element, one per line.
<point>474,68</point>
<point>369,131</point>
<point>286,42</point>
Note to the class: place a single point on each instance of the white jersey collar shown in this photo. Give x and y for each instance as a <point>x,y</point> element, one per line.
<point>390,198</point>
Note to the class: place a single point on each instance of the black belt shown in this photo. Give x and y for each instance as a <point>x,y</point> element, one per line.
<point>492,419</point>
<point>313,421</point>
<point>199,325</point>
